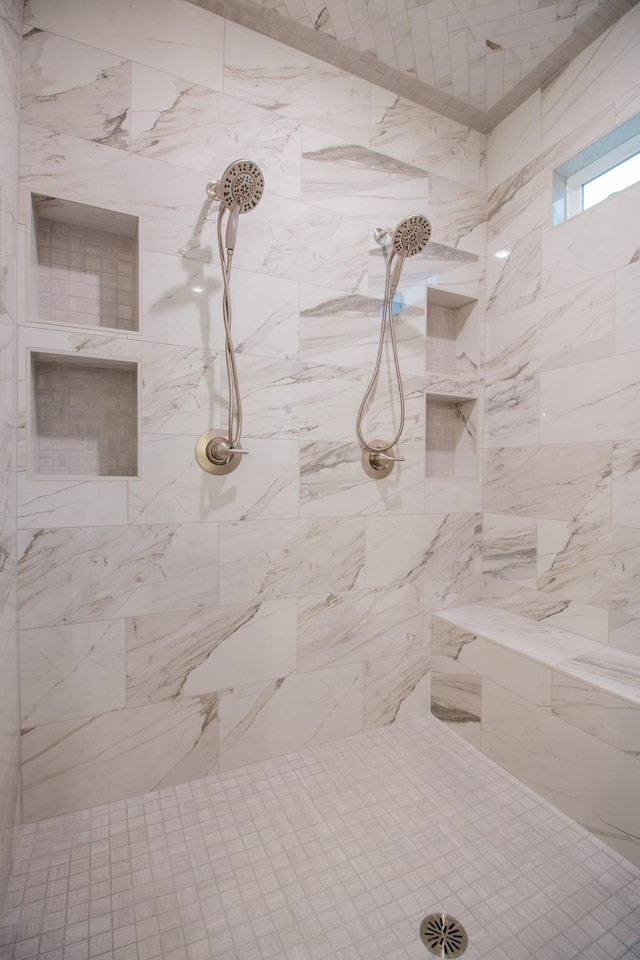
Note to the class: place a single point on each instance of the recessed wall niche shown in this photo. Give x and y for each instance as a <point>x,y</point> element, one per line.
<point>451,438</point>
<point>452,334</point>
<point>84,417</point>
<point>84,265</point>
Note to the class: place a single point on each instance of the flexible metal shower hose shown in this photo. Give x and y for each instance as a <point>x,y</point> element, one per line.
<point>387,318</point>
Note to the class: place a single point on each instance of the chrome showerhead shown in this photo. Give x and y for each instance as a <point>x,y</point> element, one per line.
<point>240,187</point>
<point>411,235</point>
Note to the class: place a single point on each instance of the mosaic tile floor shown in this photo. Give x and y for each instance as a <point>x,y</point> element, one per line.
<point>335,852</point>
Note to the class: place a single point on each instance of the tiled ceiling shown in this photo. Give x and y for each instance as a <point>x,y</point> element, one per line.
<point>472,60</point>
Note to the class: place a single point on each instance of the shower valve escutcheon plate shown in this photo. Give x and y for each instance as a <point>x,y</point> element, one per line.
<point>215,454</point>
<point>379,462</point>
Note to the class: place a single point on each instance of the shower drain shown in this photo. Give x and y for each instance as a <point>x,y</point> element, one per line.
<point>443,935</point>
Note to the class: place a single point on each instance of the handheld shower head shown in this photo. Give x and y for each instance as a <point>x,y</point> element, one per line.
<point>411,235</point>
<point>240,189</point>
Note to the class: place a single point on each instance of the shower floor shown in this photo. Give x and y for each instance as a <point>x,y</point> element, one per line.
<point>336,852</point>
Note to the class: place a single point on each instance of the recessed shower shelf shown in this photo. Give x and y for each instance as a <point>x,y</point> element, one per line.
<point>84,416</point>
<point>84,265</point>
<point>450,437</point>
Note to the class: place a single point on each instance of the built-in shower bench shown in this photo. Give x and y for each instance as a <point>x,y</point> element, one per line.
<point>559,711</point>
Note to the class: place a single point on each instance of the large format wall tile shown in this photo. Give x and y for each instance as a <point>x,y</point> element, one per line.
<point>192,652</point>
<point>70,575</point>
<point>264,720</point>
<point>625,483</point>
<point>627,288</point>
<point>56,503</point>
<point>396,688</point>
<point>509,548</point>
<point>79,763</point>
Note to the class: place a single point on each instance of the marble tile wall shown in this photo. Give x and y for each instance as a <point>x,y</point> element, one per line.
<point>10,29</point>
<point>177,623</point>
<point>562,369</point>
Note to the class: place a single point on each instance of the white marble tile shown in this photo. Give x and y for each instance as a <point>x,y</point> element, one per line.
<point>625,628</point>
<point>264,720</point>
<point>174,488</point>
<point>193,126</point>
<point>180,39</point>
<point>521,635</point>
<point>572,326</point>
<point>456,698</point>
<point>558,761</point>
<point>396,688</point>
<point>438,265</point>
<point>509,548</point>
<point>293,558</point>
<point>457,214</point>
<point>195,652</point>
<point>592,80</point>
<point>568,482</point>
<point>616,671</point>
<point>601,714</point>
<point>8,263</point>
<point>556,611</point>
<point>512,144</point>
<point>588,562</point>
<point>625,484</point>
<point>514,280</point>
<point>333,482</point>
<point>264,72</point>
<point>9,87</point>
<point>74,764</point>
<point>56,503</point>
<point>357,626</point>
<point>627,105</point>
<point>71,575</point>
<point>71,672</point>
<point>627,292</point>
<point>452,496</point>
<point>410,132</point>
<point>382,412</point>
<point>593,401</point>
<point>287,398</point>
<point>592,243</point>
<point>72,88</point>
<point>417,549</point>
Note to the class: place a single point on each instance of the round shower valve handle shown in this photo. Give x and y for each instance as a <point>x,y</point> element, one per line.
<point>382,456</point>
<point>219,451</point>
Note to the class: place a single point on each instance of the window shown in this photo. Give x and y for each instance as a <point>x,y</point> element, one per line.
<point>604,168</point>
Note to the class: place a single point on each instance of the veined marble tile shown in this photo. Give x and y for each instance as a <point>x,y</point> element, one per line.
<point>8,578</point>
<point>599,400</point>
<point>171,36</point>
<point>9,87</point>
<point>457,214</point>
<point>357,626</point>
<point>74,764</point>
<point>625,484</point>
<point>353,179</point>
<point>175,489</point>
<point>513,142</point>
<point>181,300</point>
<point>262,720</point>
<point>509,548</point>
<point>627,105</point>
<point>436,596</point>
<point>70,672</point>
<point>514,280</point>
<point>472,652</point>
<point>627,292</point>
<point>261,559</point>
<point>592,80</point>
<point>287,398</point>
<point>415,135</point>
<point>8,263</point>
<point>518,206</point>
<point>558,761</point>
<point>567,328</point>
<point>171,206</point>
<point>56,503</point>
<point>512,412</point>
<point>588,562</point>
<point>344,330</point>
<point>625,628</point>
<point>71,575</point>
<point>193,126</point>
<point>568,482</point>
<point>438,265</point>
<point>616,671</point>
<point>452,496</point>
<point>194,652</point>
<point>333,482</point>
<point>299,241</point>
<point>396,688</point>
<point>382,412</point>
<point>416,549</point>
<point>456,698</point>
<point>264,72</point>
<point>581,618</point>
<point>607,717</point>
<point>593,243</point>
<point>71,88</point>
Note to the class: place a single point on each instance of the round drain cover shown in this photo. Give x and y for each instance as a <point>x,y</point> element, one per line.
<point>443,935</point>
